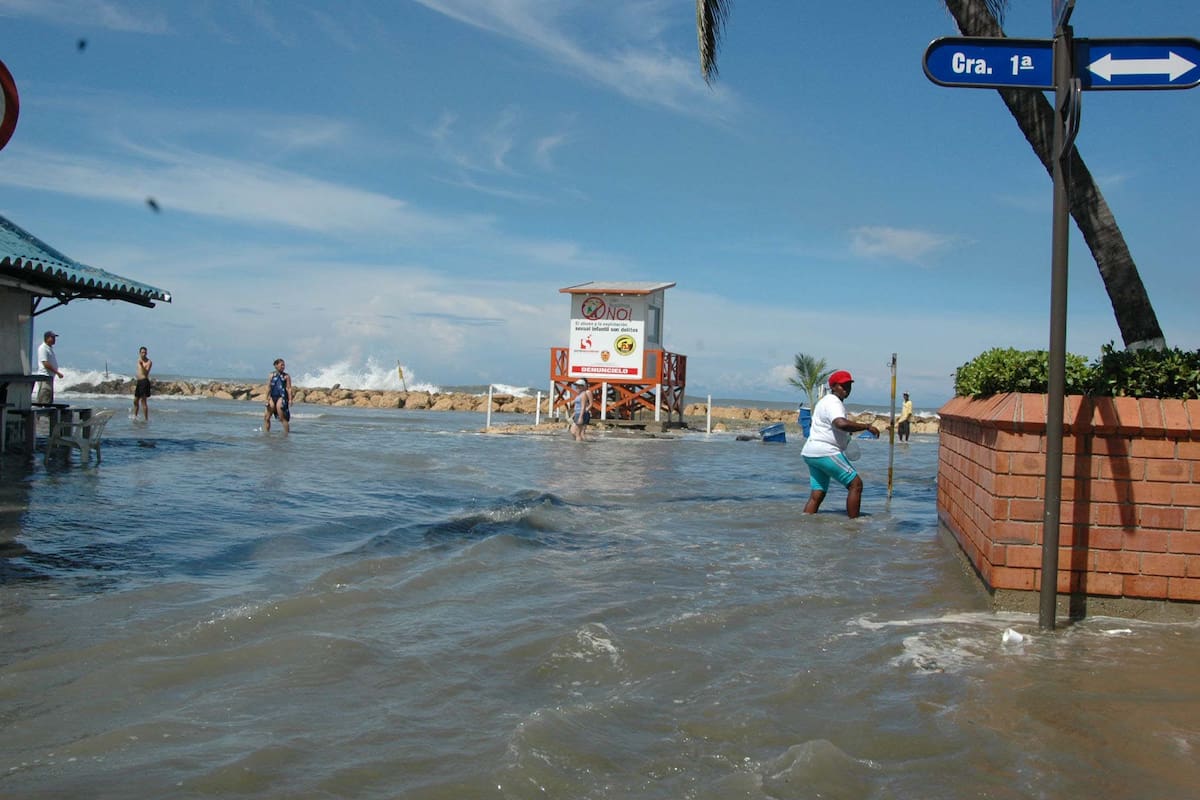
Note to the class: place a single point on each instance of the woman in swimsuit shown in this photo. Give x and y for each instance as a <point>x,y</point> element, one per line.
<point>279,397</point>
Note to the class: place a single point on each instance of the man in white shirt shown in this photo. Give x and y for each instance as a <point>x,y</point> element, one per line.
<point>824,450</point>
<point>904,423</point>
<point>48,365</point>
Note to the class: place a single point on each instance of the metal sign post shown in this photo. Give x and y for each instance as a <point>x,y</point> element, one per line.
<point>1068,66</point>
<point>1060,12</point>
<point>1066,122</point>
<point>892,429</point>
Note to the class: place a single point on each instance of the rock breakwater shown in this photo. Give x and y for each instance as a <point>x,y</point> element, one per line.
<point>724,417</point>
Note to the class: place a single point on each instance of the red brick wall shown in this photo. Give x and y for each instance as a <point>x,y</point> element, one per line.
<point>1130,511</point>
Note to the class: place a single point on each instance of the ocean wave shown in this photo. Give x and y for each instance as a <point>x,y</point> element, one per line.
<point>73,377</point>
<point>372,375</point>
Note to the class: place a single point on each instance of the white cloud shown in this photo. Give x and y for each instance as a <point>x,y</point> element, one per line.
<point>912,246</point>
<point>240,191</point>
<point>85,14</point>
<point>499,148</point>
<point>332,27</point>
<point>544,148</point>
<point>643,71</point>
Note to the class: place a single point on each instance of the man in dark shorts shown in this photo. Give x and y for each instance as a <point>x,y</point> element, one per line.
<point>141,389</point>
<point>904,423</point>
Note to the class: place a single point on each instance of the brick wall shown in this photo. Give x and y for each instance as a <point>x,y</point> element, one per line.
<point>1130,511</point>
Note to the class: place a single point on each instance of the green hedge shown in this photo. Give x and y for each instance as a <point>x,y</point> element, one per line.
<point>1116,373</point>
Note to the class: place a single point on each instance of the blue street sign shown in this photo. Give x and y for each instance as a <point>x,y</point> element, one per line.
<point>985,63</point>
<point>1137,63</point>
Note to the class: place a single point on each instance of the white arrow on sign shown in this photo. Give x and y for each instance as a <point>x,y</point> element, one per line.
<point>1173,65</point>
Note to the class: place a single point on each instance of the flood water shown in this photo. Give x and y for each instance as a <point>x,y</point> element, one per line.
<point>388,604</point>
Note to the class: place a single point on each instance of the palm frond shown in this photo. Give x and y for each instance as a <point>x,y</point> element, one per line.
<point>710,26</point>
<point>811,372</point>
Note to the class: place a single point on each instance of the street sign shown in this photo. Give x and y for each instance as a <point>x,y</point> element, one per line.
<point>1100,64</point>
<point>982,62</point>
<point>10,105</point>
<point>1137,63</point>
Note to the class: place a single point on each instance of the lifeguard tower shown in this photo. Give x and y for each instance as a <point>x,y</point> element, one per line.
<point>616,344</point>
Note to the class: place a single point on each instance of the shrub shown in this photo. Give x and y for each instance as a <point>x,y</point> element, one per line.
<point>1171,373</point>
<point>1007,370</point>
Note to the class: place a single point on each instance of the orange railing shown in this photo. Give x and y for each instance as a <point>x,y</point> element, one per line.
<point>664,377</point>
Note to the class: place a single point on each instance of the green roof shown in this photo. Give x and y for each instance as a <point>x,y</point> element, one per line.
<point>40,267</point>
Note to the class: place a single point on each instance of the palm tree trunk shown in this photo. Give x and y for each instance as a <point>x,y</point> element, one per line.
<point>1035,116</point>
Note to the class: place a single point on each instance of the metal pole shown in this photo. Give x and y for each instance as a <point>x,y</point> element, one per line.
<point>892,429</point>
<point>708,416</point>
<point>1065,105</point>
<point>603,400</point>
<point>537,409</point>
<point>489,412</point>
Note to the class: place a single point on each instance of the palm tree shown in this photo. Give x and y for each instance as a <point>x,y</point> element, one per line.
<point>1035,116</point>
<point>811,373</point>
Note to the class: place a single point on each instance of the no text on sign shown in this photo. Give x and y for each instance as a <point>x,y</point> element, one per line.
<point>987,63</point>
<point>1137,63</point>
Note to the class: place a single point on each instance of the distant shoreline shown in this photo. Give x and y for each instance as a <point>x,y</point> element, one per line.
<point>724,417</point>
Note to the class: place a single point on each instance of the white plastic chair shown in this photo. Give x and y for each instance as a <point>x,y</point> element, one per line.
<point>82,434</point>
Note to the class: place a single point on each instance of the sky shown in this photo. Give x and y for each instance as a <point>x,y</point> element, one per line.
<point>366,182</point>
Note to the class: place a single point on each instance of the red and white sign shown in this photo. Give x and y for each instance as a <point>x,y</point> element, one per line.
<point>10,105</point>
<point>606,349</point>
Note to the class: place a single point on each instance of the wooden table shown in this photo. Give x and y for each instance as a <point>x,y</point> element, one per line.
<point>18,377</point>
<point>7,379</point>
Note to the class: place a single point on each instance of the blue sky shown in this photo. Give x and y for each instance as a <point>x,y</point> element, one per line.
<point>415,180</point>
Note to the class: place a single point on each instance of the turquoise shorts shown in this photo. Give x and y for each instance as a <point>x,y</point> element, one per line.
<point>822,468</point>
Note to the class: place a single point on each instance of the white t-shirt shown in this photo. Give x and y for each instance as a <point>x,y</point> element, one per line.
<point>823,438</point>
<point>46,353</point>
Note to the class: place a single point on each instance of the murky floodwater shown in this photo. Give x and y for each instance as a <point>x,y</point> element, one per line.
<point>387,604</point>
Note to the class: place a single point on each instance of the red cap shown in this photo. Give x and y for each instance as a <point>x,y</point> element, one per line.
<point>841,376</point>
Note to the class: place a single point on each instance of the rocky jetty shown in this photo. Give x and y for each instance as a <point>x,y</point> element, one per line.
<point>766,416</point>
<point>724,417</point>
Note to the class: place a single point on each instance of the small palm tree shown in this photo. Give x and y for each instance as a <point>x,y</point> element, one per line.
<point>811,373</point>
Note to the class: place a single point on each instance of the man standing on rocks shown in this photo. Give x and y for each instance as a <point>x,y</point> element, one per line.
<point>825,449</point>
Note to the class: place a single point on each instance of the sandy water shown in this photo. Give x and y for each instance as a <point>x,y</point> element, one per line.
<point>388,604</point>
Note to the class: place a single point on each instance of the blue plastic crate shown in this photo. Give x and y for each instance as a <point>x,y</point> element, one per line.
<point>773,433</point>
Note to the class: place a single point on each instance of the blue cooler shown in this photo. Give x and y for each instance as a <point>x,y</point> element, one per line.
<point>804,420</point>
<point>773,433</point>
